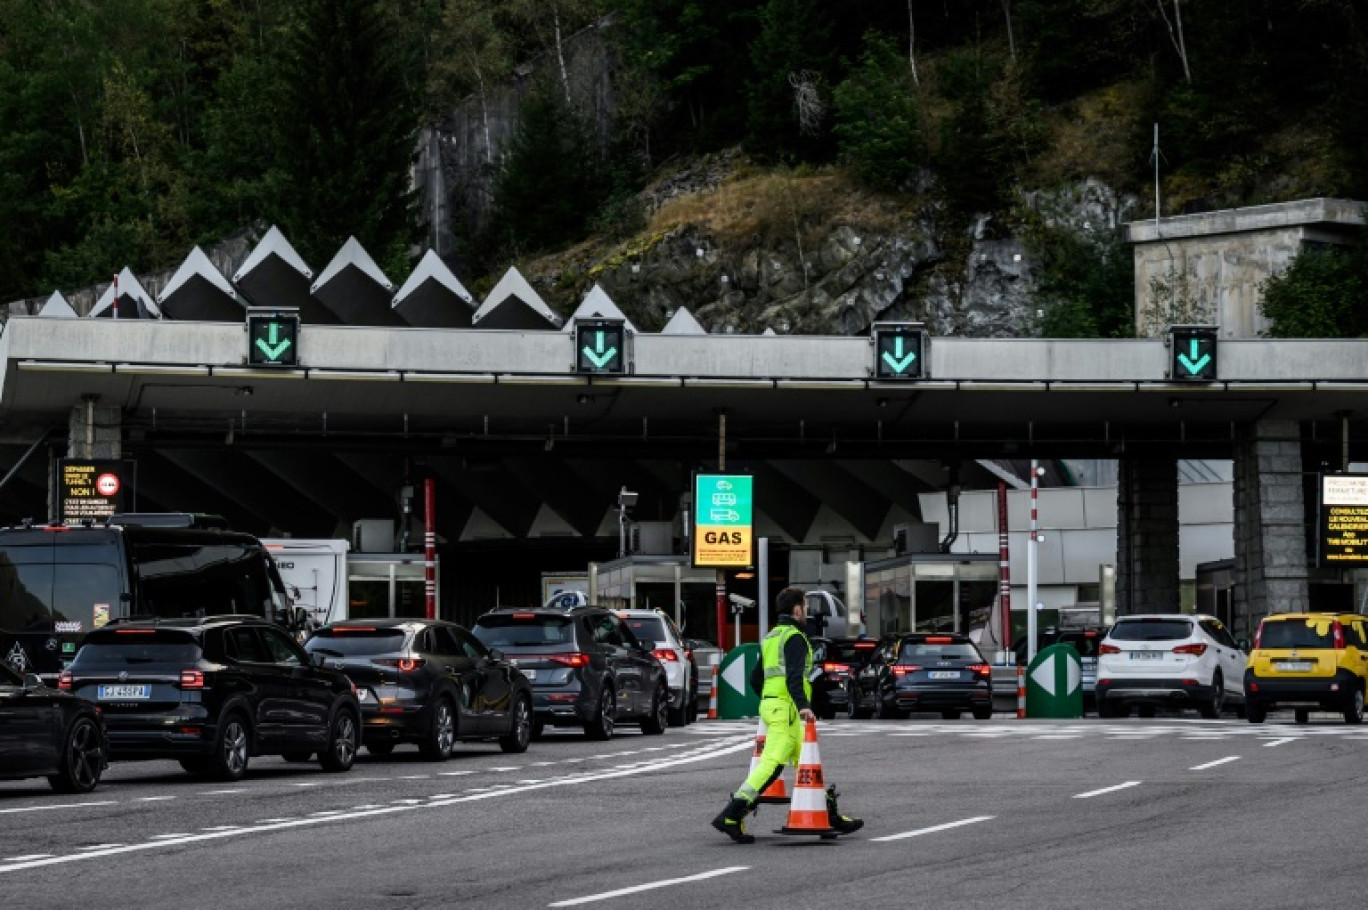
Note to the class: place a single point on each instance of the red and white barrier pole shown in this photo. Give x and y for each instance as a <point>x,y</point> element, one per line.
<point>1021,693</point>
<point>430,547</point>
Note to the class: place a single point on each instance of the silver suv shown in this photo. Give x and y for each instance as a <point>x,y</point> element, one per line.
<point>659,630</point>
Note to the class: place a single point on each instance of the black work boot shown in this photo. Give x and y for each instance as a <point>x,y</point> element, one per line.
<point>843,824</point>
<point>732,821</point>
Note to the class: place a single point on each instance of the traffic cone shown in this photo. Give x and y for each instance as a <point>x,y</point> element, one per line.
<point>775,792</point>
<point>712,699</point>
<point>808,808</point>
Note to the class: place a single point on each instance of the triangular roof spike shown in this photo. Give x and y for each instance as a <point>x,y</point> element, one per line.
<point>129,286</point>
<point>513,284</point>
<point>352,253</point>
<point>683,323</point>
<point>769,331</point>
<point>598,305</point>
<point>273,244</point>
<point>197,263</point>
<point>58,306</point>
<point>431,267</point>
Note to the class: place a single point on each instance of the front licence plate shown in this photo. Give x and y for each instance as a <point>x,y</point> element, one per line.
<point>943,674</point>
<point>108,692</point>
<point>1145,655</point>
<point>1296,666</point>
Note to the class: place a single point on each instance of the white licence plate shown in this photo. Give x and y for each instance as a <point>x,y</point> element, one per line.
<point>1145,655</point>
<point>125,691</point>
<point>530,674</point>
<point>364,695</point>
<point>943,674</point>
<point>1295,666</point>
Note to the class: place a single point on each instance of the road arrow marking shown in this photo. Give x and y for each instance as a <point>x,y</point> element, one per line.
<point>277,345</point>
<point>896,360</point>
<point>1190,361</point>
<point>601,357</point>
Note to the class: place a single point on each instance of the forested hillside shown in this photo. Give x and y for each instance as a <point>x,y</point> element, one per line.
<point>131,129</point>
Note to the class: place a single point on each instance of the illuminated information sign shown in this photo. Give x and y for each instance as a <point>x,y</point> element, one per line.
<point>91,488</point>
<point>723,529</point>
<point>1344,520</point>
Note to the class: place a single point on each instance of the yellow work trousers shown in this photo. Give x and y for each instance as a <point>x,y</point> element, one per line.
<point>783,745</point>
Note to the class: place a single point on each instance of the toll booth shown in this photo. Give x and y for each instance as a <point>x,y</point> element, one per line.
<point>930,592</point>
<point>659,582</point>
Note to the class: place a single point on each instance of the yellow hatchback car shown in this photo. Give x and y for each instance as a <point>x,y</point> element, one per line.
<point>1307,661</point>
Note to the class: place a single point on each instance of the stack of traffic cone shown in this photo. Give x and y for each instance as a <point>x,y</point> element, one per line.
<point>808,808</point>
<point>775,792</point>
<point>712,699</point>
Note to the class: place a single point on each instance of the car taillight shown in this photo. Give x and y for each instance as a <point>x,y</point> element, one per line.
<point>347,630</point>
<point>1196,649</point>
<point>403,664</point>
<point>1337,631</point>
<point>191,679</point>
<point>981,670</point>
<point>939,640</point>
<point>666,654</point>
<point>1109,649</point>
<point>64,680</point>
<point>904,669</point>
<point>578,659</point>
<point>831,667</point>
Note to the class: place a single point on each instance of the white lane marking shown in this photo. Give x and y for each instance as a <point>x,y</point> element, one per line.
<point>1058,736</point>
<point>649,886</point>
<point>1212,764</point>
<point>517,767</point>
<point>152,799</point>
<point>222,828</point>
<point>105,802</point>
<point>934,828</point>
<point>1090,793</point>
<point>99,847</point>
<point>308,783</point>
<point>270,821</point>
<point>166,836</point>
<point>223,792</point>
<point>706,753</point>
<point>24,859</point>
<point>1278,742</point>
<point>459,773</point>
<point>424,776</point>
<point>325,812</point>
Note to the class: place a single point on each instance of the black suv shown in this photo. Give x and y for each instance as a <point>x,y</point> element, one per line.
<point>586,668</point>
<point>918,671</point>
<point>213,692</point>
<point>427,682</point>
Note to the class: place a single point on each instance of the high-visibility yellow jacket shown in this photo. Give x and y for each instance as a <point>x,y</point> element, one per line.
<point>786,664</point>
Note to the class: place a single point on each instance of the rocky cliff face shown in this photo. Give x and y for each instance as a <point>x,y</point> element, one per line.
<point>847,260</point>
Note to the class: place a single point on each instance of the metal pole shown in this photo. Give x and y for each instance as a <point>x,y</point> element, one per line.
<point>1031,569</point>
<point>1004,570</point>
<point>721,574</point>
<point>762,608</point>
<point>430,547</point>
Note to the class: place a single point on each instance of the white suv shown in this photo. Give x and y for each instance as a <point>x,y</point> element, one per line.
<point>1168,660</point>
<point>655,627</point>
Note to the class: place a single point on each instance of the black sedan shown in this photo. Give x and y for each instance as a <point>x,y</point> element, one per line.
<point>49,733</point>
<point>427,682</point>
<point>835,662</point>
<point>925,672</point>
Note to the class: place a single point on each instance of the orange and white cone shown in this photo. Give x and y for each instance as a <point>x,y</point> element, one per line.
<point>712,699</point>
<point>808,808</point>
<point>775,792</point>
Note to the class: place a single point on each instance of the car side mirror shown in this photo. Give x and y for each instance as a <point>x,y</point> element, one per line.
<point>1242,644</point>
<point>318,658</point>
<point>32,682</point>
<point>495,654</point>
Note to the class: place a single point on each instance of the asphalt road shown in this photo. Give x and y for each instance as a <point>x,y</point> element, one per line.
<point>1167,812</point>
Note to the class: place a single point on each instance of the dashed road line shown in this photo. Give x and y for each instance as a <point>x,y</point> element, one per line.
<point>1278,742</point>
<point>933,829</point>
<point>1212,764</point>
<point>1092,793</point>
<point>103,802</point>
<point>649,886</point>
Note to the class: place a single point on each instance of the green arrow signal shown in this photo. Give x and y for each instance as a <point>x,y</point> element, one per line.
<point>277,345</point>
<point>896,360</point>
<point>600,357</point>
<point>1190,361</point>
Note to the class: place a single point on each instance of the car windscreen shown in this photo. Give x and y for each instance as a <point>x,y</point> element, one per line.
<point>1151,629</point>
<point>648,628</point>
<point>525,630</point>
<point>917,651</point>
<point>1295,633</point>
<point>355,641</point>
<point>136,651</point>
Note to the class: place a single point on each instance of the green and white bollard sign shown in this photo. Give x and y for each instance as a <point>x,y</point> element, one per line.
<point>1054,683</point>
<point>734,696</point>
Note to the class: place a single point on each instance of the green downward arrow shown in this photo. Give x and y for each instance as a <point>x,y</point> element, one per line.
<point>277,345</point>
<point>1190,361</point>
<point>896,360</point>
<point>600,357</point>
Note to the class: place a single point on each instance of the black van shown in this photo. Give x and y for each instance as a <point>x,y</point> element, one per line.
<point>59,582</point>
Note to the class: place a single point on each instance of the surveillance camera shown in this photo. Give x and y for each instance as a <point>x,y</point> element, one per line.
<point>743,602</point>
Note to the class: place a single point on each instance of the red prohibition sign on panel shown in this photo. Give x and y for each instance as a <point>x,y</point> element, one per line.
<point>107,484</point>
